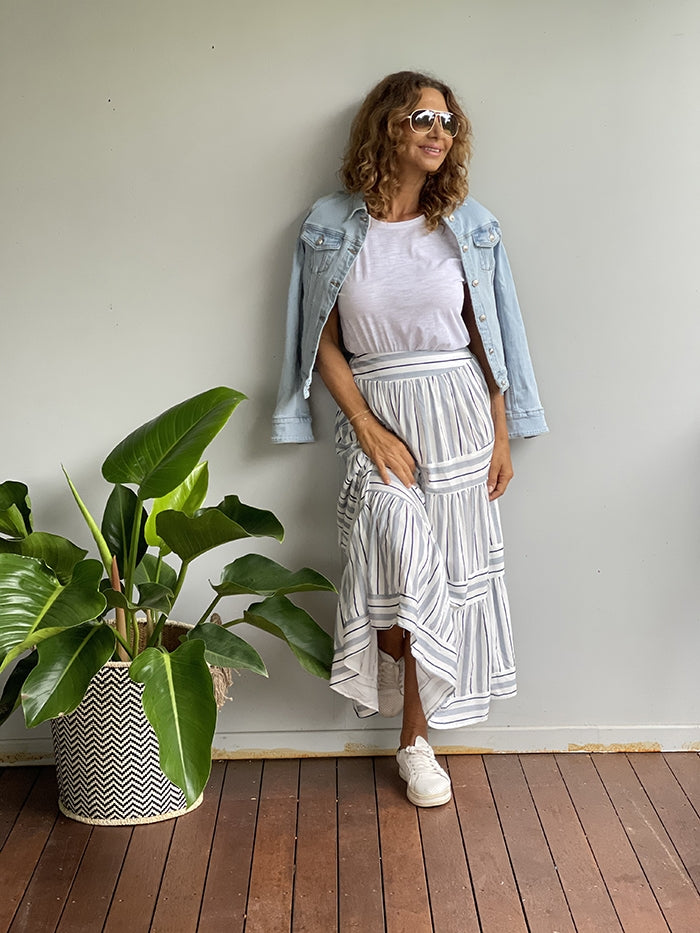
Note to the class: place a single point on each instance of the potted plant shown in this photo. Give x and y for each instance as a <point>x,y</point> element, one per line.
<point>82,670</point>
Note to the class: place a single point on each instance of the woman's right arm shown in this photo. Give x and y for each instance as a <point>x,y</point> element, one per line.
<point>385,450</point>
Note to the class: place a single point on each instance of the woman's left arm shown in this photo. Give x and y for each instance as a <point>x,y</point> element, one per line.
<point>501,469</point>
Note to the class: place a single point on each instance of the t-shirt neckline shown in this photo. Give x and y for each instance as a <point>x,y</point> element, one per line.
<point>414,221</point>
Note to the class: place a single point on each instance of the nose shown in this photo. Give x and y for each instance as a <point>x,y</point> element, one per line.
<point>436,130</point>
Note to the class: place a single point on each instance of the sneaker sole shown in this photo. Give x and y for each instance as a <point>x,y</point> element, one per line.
<point>436,800</point>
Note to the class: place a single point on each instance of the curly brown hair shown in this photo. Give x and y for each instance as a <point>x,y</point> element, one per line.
<point>370,162</point>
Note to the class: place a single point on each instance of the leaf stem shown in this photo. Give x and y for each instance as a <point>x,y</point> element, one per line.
<point>155,637</point>
<point>208,610</point>
<point>134,634</point>
<point>124,650</point>
<point>130,562</point>
<point>119,614</point>
<point>180,581</point>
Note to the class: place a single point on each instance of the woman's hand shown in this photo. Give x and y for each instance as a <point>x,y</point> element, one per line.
<point>501,469</point>
<point>385,450</point>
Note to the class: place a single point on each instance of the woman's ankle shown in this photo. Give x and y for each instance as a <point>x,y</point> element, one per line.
<point>390,641</point>
<point>408,737</point>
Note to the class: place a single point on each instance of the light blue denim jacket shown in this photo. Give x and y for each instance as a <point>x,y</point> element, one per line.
<point>331,237</point>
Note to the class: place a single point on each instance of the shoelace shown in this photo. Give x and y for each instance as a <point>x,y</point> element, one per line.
<point>426,757</point>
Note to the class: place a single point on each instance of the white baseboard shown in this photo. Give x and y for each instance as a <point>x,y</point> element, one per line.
<point>477,740</point>
<point>30,751</point>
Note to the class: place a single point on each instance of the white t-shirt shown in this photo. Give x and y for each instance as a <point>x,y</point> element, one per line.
<point>404,292</point>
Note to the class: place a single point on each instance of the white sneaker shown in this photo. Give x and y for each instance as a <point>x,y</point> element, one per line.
<point>390,684</point>
<point>427,784</point>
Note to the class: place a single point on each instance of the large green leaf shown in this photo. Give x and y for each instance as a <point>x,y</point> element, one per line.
<point>187,498</point>
<point>160,454</point>
<point>151,570</point>
<point>151,596</point>
<point>312,646</point>
<point>32,598</point>
<point>264,577</point>
<point>58,553</point>
<point>208,528</point>
<point>30,642</point>
<point>67,664</point>
<point>118,525</point>
<point>155,596</point>
<point>15,509</point>
<point>9,701</point>
<point>224,649</point>
<point>178,700</point>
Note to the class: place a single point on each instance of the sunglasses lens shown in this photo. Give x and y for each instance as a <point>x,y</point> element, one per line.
<point>450,124</point>
<point>422,121</point>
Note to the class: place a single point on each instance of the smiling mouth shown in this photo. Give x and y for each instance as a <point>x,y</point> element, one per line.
<point>431,150</point>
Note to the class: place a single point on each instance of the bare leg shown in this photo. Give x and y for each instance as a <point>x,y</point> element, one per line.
<point>390,640</point>
<point>414,722</point>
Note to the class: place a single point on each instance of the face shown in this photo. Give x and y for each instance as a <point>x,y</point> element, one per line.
<point>424,154</point>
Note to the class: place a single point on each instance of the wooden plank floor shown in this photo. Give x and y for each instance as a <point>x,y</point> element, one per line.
<point>601,843</point>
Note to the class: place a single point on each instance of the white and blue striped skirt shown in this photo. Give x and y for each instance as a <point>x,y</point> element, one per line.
<point>428,558</point>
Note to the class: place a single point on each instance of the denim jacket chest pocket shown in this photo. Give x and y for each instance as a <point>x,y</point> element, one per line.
<point>485,241</point>
<point>321,247</point>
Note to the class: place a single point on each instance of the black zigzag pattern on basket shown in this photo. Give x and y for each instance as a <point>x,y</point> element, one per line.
<point>107,754</point>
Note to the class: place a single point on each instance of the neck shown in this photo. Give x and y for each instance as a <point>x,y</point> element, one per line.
<point>405,204</point>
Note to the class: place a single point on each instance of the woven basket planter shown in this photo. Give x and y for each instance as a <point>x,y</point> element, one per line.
<point>107,757</point>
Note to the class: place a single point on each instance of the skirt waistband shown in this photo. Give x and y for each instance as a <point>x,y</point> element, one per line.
<point>409,363</point>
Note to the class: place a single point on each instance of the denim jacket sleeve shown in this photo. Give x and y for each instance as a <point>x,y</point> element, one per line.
<point>524,411</point>
<point>292,418</point>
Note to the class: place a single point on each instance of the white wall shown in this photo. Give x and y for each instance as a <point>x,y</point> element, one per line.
<point>145,244</point>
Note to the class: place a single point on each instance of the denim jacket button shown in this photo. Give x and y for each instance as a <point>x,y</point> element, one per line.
<point>465,248</point>
<point>475,282</point>
<point>482,317</point>
<point>491,236</point>
<point>490,349</point>
<point>451,218</point>
<point>319,241</point>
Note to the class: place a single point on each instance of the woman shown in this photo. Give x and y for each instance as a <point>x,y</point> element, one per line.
<point>402,296</point>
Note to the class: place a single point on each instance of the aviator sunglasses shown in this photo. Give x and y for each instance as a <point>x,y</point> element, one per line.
<point>422,121</point>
